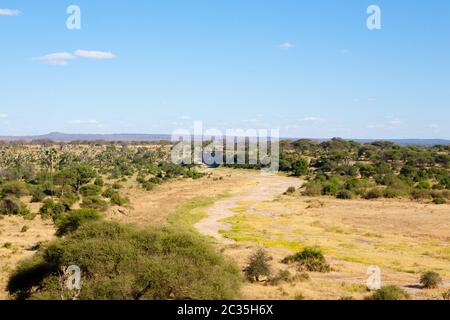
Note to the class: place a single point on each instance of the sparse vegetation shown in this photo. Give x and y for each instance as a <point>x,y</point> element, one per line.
<point>310,259</point>
<point>389,293</point>
<point>430,280</point>
<point>258,266</point>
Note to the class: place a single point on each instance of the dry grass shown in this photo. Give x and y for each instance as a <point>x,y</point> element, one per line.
<point>403,238</point>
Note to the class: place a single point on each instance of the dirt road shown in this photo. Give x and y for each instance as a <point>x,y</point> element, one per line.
<point>267,188</point>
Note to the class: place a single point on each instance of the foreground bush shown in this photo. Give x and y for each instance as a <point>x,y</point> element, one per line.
<point>310,259</point>
<point>126,263</point>
<point>389,293</point>
<point>430,280</point>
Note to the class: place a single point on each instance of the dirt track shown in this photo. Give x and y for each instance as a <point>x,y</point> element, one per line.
<point>267,188</point>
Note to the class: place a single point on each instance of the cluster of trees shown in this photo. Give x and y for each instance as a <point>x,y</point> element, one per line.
<point>59,176</point>
<point>348,169</point>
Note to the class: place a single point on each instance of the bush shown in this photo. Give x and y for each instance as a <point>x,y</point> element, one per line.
<point>430,280</point>
<point>37,194</point>
<point>90,190</point>
<point>72,220</point>
<point>425,185</point>
<point>258,266</point>
<point>121,262</point>
<point>389,293</point>
<point>281,276</point>
<point>13,206</point>
<point>116,199</point>
<point>290,190</point>
<point>446,295</point>
<point>420,194</point>
<point>345,195</point>
<point>51,210</point>
<point>373,194</point>
<point>14,188</point>
<point>439,200</point>
<point>313,189</point>
<point>95,203</point>
<point>99,182</point>
<point>310,259</point>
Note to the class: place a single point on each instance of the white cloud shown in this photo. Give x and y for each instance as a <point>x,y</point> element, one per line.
<point>63,58</point>
<point>395,122</point>
<point>59,58</point>
<point>3,116</point>
<point>311,119</point>
<point>78,121</point>
<point>101,55</point>
<point>375,126</point>
<point>287,45</point>
<point>9,12</point>
<point>435,126</point>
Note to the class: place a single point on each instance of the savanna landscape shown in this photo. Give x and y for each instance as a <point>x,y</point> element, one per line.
<point>141,227</point>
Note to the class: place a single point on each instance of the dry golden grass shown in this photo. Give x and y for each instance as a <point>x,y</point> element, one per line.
<point>403,238</point>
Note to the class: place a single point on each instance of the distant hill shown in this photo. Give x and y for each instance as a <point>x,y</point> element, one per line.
<point>67,137</point>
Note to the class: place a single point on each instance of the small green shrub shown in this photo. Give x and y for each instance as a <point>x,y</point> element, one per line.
<point>51,210</point>
<point>313,189</point>
<point>310,259</point>
<point>372,194</point>
<point>90,190</point>
<point>7,245</point>
<point>11,205</point>
<point>439,200</point>
<point>14,188</point>
<point>345,195</point>
<point>95,203</point>
<point>430,280</point>
<point>290,190</point>
<point>389,293</point>
<point>24,229</point>
<point>281,276</point>
<point>37,194</point>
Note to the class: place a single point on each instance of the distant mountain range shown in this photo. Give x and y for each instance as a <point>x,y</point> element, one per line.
<point>67,137</point>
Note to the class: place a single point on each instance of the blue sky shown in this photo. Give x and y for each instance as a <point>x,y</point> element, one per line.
<point>309,68</point>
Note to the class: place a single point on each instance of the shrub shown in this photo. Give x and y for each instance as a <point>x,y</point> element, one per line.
<point>72,220</point>
<point>420,194</point>
<point>258,266</point>
<point>99,182</point>
<point>281,276</point>
<point>7,245</point>
<point>290,190</point>
<point>423,185</point>
<point>391,193</point>
<point>24,229</point>
<point>90,190</point>
<point>95,203</point>
<point>330,188</point>
<point>345,195</point>
<point>14,188</point>
<point>51,210</point>
<point>13,206</point>
<point>116,199</point>
<point>430,280</point>
<point>439,200</point>
<point>117,186</point>
<point>310,259</point>
<point>68,197</point>
<point>446,295</point>
<point>37,194</point>
<point>389,293</point>
<point>375,193</point>
<point>120,262</point>
<point>313,189</point>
